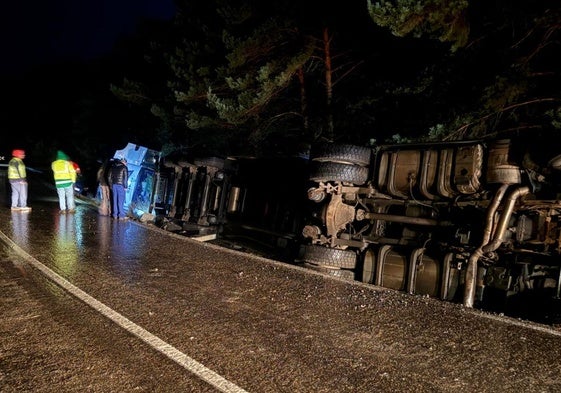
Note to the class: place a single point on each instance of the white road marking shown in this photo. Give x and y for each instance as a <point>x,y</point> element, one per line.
<point>154,341</point>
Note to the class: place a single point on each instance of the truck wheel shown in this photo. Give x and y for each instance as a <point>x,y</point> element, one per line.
<point>332,257</point>
<point>341,273</point>
<point>325,171</point>
<point>346,154</point>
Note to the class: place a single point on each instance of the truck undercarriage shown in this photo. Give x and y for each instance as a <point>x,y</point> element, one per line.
<point>471,222</point>
<point>461,221</point>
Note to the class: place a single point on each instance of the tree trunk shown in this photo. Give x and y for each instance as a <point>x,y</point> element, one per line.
<point>328,84</point>
<point>303,100</point>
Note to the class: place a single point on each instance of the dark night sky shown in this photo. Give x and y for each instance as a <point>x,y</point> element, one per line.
<point>38,31</point>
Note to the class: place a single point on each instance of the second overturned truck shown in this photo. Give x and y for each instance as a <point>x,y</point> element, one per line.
<point>475,222</point>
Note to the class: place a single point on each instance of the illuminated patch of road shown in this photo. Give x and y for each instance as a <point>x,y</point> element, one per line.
<point>155,342</point>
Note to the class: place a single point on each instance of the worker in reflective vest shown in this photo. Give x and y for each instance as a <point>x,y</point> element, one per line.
<point>65,176</point>
<point>17,176</point>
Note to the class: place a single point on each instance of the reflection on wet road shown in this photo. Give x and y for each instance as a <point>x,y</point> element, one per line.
<point>66,243</point>
<point>20,223</point>
<point>127,240</point>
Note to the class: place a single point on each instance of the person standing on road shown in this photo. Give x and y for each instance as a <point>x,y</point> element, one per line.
<point>65,177</point>
<point>104,208</point>
<point>17,176</point>
<point>118,179</point>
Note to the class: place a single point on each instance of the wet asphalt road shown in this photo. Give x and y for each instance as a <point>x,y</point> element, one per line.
<point>97,305</point>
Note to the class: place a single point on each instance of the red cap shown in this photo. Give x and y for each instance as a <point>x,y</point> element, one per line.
<point>18,153</point>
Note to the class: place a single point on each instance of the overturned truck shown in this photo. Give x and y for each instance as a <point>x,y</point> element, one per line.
<point>475,222</point>
<point>472,222</point>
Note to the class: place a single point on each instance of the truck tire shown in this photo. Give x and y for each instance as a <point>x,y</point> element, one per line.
<point>341,273</point>
<point>332,257</point>
<point>326,171</point>
<point>345,154</point>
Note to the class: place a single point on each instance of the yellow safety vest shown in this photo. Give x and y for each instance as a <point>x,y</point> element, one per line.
<point>16,169</point>
<point>64,173</point>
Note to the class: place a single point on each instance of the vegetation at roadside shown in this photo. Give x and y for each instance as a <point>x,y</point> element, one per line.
<point>266,78</point>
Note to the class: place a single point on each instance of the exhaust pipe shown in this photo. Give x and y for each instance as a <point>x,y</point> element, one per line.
<point>486,246</point>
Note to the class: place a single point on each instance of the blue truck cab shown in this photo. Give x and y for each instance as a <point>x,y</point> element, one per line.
<point>142,164</point>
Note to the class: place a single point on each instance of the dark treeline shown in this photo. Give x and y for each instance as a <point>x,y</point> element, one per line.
<point>264,78</point>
